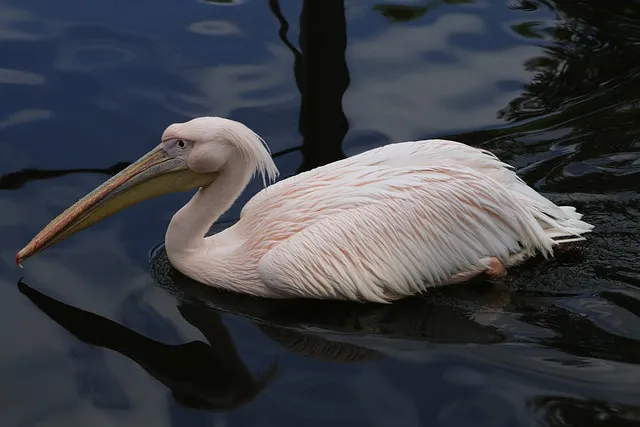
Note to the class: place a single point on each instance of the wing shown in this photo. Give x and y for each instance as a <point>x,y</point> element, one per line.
<point>563,222</point>
<point>424,153</point>
<point>431,224</point>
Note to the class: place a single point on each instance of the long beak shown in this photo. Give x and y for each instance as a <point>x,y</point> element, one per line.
<point>152,175</point>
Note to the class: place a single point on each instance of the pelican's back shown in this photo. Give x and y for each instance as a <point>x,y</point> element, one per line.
<point>562,223</point>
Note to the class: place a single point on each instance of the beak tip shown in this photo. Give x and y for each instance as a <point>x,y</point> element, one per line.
<point>19,259</point>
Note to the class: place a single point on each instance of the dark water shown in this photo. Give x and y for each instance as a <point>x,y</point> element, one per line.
<point>100,331</point>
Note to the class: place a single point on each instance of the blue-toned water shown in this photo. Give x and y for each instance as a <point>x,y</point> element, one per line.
<point>99,330</point>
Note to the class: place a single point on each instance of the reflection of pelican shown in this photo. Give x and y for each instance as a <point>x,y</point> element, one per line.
<point>337,330</point>
<point>378,226</point>
<point>204,376</point>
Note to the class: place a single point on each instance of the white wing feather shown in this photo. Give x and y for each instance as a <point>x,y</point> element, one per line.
<point>562,223</point>
<point>432,223</point>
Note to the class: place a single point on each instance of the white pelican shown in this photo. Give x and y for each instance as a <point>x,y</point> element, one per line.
<point>385,224</point>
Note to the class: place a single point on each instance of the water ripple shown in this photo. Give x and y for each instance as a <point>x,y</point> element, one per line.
<point>214,28</point>
<point>17,77</point>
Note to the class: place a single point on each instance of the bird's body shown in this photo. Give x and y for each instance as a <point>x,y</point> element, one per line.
<point>384,224</point>
<point>387,223</point>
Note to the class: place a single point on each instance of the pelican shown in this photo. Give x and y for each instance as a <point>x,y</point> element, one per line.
<point>385,224</point>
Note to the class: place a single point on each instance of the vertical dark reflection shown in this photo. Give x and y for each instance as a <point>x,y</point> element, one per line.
<point>322,77</point>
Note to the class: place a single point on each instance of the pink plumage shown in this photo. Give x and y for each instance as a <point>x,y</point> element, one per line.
<point>387,223</point>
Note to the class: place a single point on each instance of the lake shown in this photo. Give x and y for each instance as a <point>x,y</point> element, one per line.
<point>100,330</point>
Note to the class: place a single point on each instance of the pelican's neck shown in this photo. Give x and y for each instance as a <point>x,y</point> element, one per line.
<point>189,225</point>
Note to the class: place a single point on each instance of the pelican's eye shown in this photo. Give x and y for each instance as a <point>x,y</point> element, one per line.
<point>177,146</point>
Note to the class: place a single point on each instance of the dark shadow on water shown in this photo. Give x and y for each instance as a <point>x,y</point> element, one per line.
<point>560,411</point>
<point>203,376</point>
<point>575,333</point>
<point>441,316</point>
<point>435,318</point>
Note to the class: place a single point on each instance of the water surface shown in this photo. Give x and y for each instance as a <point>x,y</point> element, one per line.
<point>100,330</point>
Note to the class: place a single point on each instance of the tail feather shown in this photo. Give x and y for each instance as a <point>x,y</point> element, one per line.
<point>562,224</point>
<point>564,228</point>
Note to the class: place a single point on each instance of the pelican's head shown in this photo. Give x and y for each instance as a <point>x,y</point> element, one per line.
<point>191,155</point>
